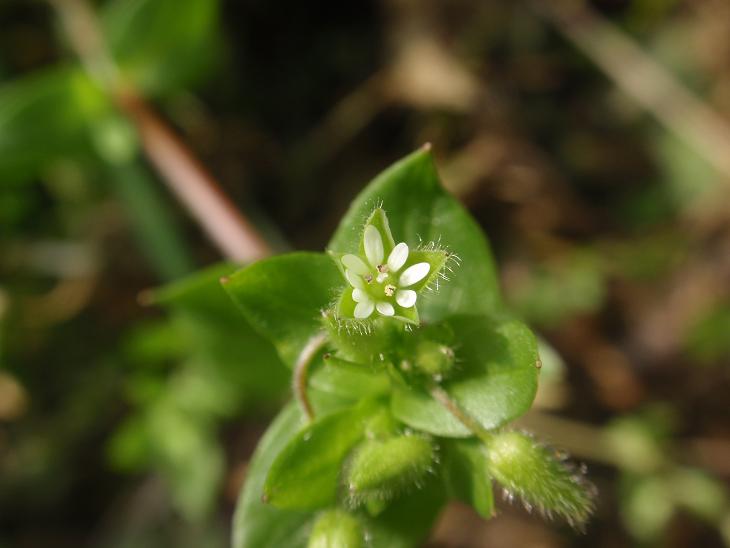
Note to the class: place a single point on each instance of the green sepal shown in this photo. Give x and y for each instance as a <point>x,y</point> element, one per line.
<point>368,342</point>
<point>437,258</point>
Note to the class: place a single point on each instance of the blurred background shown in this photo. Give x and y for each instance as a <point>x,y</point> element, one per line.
<point>590,139</point>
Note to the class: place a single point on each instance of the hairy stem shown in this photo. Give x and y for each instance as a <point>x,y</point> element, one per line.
<point>301,372</point>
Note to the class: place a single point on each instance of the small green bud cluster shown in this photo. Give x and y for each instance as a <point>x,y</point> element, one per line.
<point>429,353</point>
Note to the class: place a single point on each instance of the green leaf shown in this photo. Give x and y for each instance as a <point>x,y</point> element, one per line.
<point>306,474</point>
<point>348,380</point>
<point>283,298</point>
<point>188,458</point>
<point>235,362</point>
<point>46,116</point>
<point>162,45</point>
<point>363,343</point>
<point>467,476</point>
<point>496,383</point>
<point>200,291</point>
<point>420,210</point>
<point>260,525</point>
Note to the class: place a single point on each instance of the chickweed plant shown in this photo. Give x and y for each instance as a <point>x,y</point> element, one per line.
<point>407,370</point>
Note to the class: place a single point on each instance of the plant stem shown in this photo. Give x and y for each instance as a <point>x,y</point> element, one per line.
<point>193,185</point>
<point>301,372</point>
<point>441,396</point>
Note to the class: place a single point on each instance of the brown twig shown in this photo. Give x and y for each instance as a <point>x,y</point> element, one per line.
<point>194,186</point>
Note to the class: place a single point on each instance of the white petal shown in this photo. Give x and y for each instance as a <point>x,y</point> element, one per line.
<point>364,309</point>
<point>405,297</point>
<point>355,263</point>
<point>414,274</point>
<point>373,245</point>
<point>386,309</point>
<point>354,279</point>
<point>359,296</point>
<point>398,256</point>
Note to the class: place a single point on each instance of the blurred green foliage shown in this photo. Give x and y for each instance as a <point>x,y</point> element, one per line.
<point>162,45</point>
<point>224,369</point>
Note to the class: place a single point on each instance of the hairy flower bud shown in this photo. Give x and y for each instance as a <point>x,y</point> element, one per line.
<point>534,473</point>
<point>336,529</point>
<point>382,469</point>
<point>434,359</point>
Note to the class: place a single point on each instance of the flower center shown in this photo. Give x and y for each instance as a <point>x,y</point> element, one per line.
<point>379,287</point>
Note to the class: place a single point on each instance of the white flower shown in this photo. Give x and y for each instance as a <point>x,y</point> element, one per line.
<point>378,284</point>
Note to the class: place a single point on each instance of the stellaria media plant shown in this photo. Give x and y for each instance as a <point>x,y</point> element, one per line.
<point>407,371</point>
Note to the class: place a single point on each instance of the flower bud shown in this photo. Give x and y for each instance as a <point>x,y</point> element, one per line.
<point>336,529</point>
<point>534,473</point>
<point>381,469</point>
<point>434,358</point>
